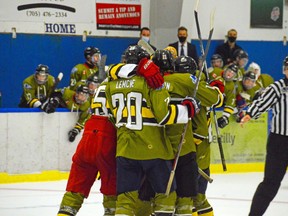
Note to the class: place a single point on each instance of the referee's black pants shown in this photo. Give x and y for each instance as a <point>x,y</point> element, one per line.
<point>275,169</point>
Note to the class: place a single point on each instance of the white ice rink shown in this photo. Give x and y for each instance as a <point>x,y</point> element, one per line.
<point>229,194</point>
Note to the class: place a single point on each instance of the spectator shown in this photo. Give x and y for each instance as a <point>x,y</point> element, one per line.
<point>37,89</point>
<point>227,49</point>
<point>183,47</point>
<point>145,35</point>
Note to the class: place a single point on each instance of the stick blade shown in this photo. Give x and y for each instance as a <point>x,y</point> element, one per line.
<point>60,76</point>
<point>146,46</point>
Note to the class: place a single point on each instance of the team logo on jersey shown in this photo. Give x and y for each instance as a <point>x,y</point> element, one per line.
<point>214,75</point>
<point>27,86</point>
<point>74,69</point>
<point>193,78</point>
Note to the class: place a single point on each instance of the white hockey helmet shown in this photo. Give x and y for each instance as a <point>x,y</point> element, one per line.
<point>255,68</point>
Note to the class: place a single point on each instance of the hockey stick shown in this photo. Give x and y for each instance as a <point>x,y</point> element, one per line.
<point>57,81</point>
<point>102,63</point>
<point>201,172</point>
<point>204,52</point>
<point>146,46</point>
<point>207,76</point>
<point>172,173</point>
<point>151,51</point>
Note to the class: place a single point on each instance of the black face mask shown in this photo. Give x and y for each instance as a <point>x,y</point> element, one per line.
<point>182,39</point>
<point>231,39</point>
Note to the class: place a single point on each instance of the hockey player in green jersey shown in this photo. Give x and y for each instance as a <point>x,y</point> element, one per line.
<point>229,78</point>
<point>240,58</point>
<point>262,80</point>
<point>76,101</point>
<point>180,86</point>
<point>92,82</point>
<point>142,146</point>
<point>200,125</point>
<point>216,61</point>
<point>81,72</point>
<point>246,92</point>
<point>37,89</point>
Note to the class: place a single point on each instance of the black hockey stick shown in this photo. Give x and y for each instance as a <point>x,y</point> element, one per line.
<point>207,76</point>
<point>204,52</point>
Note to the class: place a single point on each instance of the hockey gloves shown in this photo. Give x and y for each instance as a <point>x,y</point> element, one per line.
<point>193,106</point>
<point>50,105</point>
<point>72,134</point>
<point>240,102</point>
<point>239,116</point>
<point>222,121</point>
<point>150,72</point>
<point>218,84</point>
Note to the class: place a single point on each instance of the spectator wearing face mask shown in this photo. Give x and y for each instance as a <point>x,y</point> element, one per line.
<point>183,47</point>
<point>227,49</point>
<point>145,35</point>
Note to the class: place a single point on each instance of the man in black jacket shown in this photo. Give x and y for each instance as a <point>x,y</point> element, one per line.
<point>182,46</point>
<point>227,49</point>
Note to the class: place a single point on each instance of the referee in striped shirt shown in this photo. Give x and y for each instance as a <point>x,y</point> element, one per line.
<point>274,97</point>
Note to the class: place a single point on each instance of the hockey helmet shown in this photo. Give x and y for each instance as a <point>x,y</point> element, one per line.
<point>185,64</point>
<point>82,94</point>
<point>41,74</point>
<point>164,60</point>
<point>249,80</point>
<point>172,50</point>
<point>92,55</point>
<point>216,61</point>
<point>230,72</point>
<point>285,64</point>
<point>134,53</point>
<point>240,57</point>
<point>254,67</point>
<point>93,82</point>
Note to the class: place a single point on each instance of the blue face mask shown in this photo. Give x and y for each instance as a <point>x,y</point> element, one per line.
<point>145,38</point>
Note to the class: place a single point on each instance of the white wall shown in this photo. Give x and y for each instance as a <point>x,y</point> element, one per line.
<point>36,141</point>
<point>166,17</point>
<point>229,14</point>
<point>84,18</point>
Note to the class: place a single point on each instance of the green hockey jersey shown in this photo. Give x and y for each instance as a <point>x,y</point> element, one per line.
<point>80,73</point>
<point>140,115</point>
<point>230,91</point>
<point>35,94</point>
<point>83,110</point>
<point>180,85</point>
